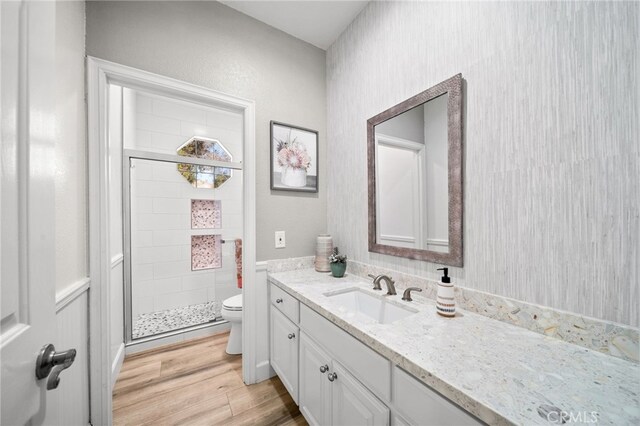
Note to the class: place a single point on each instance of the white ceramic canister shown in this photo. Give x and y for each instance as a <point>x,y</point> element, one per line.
<point>324,247</point>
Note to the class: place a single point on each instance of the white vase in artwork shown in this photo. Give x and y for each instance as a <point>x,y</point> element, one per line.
<point>295,178</point>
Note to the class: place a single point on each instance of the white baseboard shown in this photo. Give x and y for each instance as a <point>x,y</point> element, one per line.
<point>264,371</point>
<point>117,365</point>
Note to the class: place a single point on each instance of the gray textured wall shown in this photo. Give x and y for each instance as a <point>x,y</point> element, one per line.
<point>212,45</point>
<point>551,168</point>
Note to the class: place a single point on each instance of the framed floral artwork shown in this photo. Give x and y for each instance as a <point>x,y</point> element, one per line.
<point>294,158</point>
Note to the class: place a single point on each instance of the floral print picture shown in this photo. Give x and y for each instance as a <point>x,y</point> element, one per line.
<point>294,158</point>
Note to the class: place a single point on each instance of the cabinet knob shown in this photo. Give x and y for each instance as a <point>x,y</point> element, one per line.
<point>324,368</point>
<point>332,376</point>
<point>291,336</point>
<point>278,300</point>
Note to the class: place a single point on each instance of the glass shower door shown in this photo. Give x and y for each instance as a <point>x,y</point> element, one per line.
<point>184,221</point>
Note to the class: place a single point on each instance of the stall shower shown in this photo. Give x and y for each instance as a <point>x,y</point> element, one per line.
<point>182,205</point>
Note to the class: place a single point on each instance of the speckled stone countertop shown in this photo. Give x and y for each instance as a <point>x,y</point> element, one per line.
<point>501,373</point>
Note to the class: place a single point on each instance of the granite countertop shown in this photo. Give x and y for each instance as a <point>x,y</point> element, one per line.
<point>501,373</point>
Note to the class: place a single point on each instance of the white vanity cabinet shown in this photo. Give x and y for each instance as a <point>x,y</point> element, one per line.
<point>284,350</point>
<point>352,403</point>
<point>419,404</point>
<point>330,395</point>
<point>315,387</point>
<point>338,380</point>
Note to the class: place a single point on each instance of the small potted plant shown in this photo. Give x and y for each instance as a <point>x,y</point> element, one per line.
<point>338,263</point>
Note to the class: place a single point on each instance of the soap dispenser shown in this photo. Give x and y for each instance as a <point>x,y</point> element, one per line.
<point>445,300</point>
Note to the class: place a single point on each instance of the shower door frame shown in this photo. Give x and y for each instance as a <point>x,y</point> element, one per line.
<point>135,154</point>
<point>100,74</point>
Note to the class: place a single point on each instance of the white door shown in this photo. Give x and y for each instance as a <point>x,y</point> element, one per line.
<point>315,388</point>
<point>352,403</point>
<point>27,31</point>
<point>284,351</point>
<point>399,191</point>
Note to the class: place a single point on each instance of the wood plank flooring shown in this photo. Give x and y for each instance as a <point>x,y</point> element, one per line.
<point>197,383</point>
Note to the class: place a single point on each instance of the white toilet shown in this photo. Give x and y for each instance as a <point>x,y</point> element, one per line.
<point>232,312</point>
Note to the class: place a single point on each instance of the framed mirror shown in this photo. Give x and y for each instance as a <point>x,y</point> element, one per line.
<point>414,158</point>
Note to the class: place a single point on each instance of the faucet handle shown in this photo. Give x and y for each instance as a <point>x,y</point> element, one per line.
<point>407,293</point>
<point>376,281</point>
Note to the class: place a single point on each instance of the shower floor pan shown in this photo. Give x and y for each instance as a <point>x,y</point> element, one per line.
<point>159,322</point>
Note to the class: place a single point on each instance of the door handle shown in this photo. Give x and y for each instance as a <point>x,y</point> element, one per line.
<point>51,363</point>
<point>332,376</point>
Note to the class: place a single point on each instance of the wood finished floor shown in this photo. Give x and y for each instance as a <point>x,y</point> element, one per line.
<point>197,383</point>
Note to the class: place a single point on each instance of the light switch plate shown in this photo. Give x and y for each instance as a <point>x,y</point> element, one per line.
<point>280,239</point>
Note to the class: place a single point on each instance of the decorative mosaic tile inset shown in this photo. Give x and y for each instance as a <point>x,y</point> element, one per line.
<point>206,252</point>
<point>174,319</point>
<point>206,214</point>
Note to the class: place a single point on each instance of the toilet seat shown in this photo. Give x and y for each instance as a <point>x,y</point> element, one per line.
<point>233,303</point>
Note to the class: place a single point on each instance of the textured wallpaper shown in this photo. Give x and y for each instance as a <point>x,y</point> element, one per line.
<point>551,144</point>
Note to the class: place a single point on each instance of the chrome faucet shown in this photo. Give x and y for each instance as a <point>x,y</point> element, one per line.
<point>391,288</point>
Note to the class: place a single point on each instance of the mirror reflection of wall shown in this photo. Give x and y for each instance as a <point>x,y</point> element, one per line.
<point>412,178</point>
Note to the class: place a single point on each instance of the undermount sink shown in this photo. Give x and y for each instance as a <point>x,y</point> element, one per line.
<point>374,307</point>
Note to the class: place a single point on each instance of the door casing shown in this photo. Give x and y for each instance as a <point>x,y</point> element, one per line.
<point>100,74</point>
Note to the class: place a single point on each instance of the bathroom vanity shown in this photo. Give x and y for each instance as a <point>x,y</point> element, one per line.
<point>351,355</point>
<point>338,380</point>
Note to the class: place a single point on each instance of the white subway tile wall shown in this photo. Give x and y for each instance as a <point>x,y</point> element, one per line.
<point>161,230</point>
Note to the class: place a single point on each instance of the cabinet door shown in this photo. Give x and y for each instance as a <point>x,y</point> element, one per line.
<point>397,420</point>
<point>284,351</point>
<point>315,388</point>
<point>352,404</point>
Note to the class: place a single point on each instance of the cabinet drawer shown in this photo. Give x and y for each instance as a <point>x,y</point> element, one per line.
<point>419,404</point>
<point>286,303</point>
<point>369,367</point>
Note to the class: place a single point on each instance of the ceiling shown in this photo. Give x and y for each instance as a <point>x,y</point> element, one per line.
<point>316,22</point>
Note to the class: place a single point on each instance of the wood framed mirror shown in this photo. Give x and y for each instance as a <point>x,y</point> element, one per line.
<point>414,159</point>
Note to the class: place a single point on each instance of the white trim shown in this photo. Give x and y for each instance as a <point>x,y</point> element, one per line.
<point>264,371</point>
<point>399,142</point>
<point>117,364</point>
<point>99,301</point>
<point>437,242</point>
<point>398,238</point>
<point>71,293</point>
<point>99,74</point>
<point>116,260</point>
<point>249,287</point>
